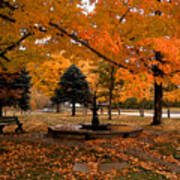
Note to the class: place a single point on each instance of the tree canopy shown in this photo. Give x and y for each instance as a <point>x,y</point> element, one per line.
<point>135,35</point>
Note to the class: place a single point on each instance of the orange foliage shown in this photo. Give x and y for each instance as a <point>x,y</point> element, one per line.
<point>121,30</point>
<point>46,75</point>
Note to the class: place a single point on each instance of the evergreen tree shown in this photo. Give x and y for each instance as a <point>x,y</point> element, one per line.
<point>24,83</point>
<point>58,98</point>
<point>73,87</point>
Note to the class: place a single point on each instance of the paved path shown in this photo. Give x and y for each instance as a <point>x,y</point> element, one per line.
<point>147,114</point>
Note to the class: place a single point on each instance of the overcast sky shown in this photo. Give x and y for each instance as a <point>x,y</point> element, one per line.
<point>87,6</point>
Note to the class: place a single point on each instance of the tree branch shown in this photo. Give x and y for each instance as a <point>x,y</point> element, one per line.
<point>3,67</point>
<point>74,37</point>
<point>124,15</point>
<point>6,4</point>
<point>11,47</point>
<point>7,18</point>
<point>5,58</point>
<point>174,72</point>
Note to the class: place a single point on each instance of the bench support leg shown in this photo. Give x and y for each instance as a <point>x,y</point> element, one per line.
<point>19,128</point>
<point>1,129</point>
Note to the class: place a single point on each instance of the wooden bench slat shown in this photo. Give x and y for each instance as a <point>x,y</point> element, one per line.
<point>8,120</point>
<point>8,117</point>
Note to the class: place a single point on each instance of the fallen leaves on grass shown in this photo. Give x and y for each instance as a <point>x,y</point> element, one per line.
<point>37,160</point>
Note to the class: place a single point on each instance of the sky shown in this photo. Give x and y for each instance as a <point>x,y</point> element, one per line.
<point>87,6</point>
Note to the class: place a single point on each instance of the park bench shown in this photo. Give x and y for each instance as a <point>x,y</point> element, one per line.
<point>8,120</point>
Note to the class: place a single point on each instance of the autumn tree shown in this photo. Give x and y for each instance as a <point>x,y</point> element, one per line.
<point>107,83</point>
<point>73,87</point>
<point>139,36</point>
<point>46,74</point>
<point>134,39</point>
<point>14,90</point>
<point>8,93</point>
<point>171,94</point>
<point>38,100</point>
<point>138,86</point>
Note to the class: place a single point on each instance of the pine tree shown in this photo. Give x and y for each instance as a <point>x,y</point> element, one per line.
<point>24,83</point>
<point>58,98</point>
<point>73,87</point>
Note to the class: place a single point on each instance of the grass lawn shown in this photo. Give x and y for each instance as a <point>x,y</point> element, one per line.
<point>155,154</point>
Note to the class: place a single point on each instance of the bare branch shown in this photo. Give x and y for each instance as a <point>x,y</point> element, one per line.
<point>7,18</point>
<point>14,45</point>
<point>174,72</point>
<point>124,15</point>
<point>3,67</point>
<point>74,37</point>
<point>5,58</point>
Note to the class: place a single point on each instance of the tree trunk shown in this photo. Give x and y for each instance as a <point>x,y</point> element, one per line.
<point>109,112</point>
<point>109,106</point>
<point>101,110</point>
<point>168,113</point>
<point>141,109</point>
<point>85,110</point>
<point>95,119</point>
<point>111,88</point>
<point>119,110</point>
<point>158,94</point>
<point>73,109</point>
<point>57,108</point>
<point>141,112</point>
<point>5,112</point>
<point>1,113</point>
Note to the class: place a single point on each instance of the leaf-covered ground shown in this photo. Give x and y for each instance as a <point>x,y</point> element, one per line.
<point>155,154</point>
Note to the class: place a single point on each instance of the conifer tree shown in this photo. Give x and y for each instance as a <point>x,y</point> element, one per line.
<point>73,87</point>
<point>24,82</point>
<point>58,98</point>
